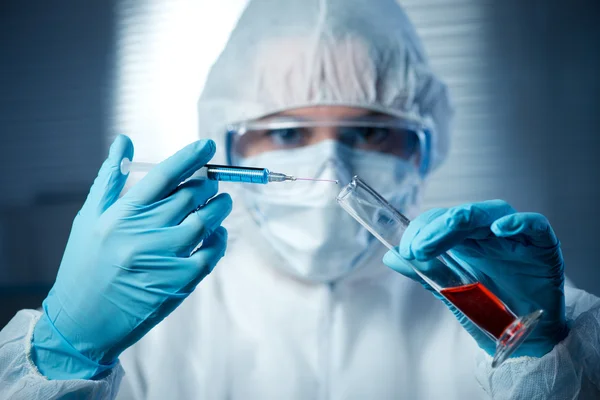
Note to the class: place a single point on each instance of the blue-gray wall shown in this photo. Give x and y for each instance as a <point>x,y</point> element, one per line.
<point>55,75</point>
<point>546,58</point>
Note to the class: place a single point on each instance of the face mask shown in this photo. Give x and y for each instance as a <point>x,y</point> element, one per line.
<point>316,239</point>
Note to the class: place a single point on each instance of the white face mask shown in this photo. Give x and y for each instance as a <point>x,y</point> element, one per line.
<point>302,221</point>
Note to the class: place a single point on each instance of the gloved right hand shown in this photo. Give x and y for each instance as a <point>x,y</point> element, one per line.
<point>129,262</point>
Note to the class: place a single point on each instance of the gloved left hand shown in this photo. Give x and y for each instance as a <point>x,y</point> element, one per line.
<point>515,255</point>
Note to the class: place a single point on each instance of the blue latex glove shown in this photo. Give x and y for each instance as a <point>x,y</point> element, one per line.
<point>129,262</point>
<point>515,255</point>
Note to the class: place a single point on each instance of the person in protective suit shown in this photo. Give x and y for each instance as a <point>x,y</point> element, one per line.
<point>301,306</point>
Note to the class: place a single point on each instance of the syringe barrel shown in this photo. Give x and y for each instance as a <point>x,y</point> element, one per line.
<point>227,173</point>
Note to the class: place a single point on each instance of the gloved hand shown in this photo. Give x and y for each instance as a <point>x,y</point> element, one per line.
<point>129,262</point>
<point>515,255</point>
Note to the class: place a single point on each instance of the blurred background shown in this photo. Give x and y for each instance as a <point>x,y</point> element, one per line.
<point>523,75</point>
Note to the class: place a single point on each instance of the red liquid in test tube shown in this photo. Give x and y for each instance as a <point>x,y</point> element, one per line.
<point>481,306</point>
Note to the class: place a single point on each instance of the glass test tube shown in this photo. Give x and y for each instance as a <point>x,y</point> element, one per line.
<point>444,274</point>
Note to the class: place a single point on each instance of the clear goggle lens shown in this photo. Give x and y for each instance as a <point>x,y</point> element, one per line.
<point>389,135</point>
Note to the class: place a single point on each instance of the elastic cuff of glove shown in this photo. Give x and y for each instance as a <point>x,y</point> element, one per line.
<point>57,359</point>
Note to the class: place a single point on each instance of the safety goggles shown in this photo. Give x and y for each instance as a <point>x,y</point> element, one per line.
<point>408,140</point>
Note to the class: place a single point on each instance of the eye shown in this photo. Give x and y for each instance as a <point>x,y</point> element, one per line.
<point>286,136</point>
<point>364,135</point>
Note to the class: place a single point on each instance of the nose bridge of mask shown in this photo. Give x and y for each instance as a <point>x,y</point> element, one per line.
<point>336,163</point>
<point>315,161</point>
<point>327,159</point>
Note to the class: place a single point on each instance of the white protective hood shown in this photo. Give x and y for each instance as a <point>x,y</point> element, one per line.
<point>298,53</point>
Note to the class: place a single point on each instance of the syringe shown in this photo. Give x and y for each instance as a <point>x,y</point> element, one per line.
<point>225,173</point>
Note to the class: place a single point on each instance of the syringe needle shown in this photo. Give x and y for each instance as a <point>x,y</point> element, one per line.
<point>318,180</point>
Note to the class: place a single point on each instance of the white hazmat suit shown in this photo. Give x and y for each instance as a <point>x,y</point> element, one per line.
<point>254,331</point>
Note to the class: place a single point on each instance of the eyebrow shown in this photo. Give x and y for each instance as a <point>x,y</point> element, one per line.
<point>284,114</point>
